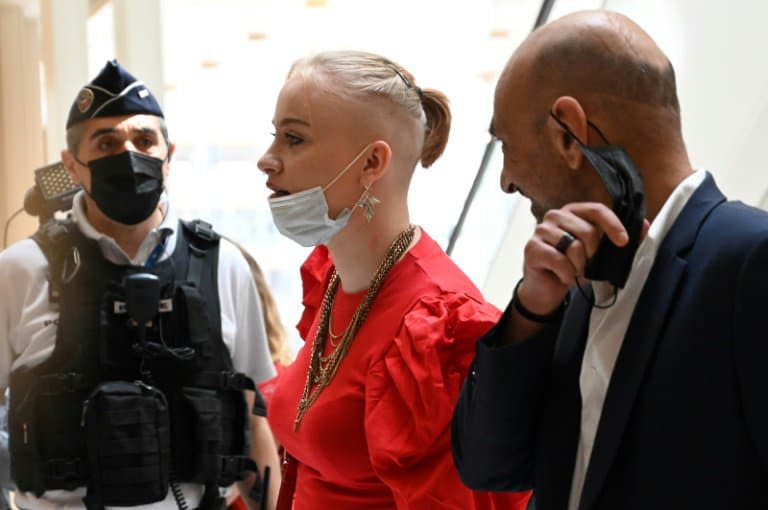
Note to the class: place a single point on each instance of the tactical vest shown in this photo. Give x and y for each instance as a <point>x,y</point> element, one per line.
<point>121,417</point>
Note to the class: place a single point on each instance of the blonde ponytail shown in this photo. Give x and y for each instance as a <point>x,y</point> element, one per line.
<point>438,116</point>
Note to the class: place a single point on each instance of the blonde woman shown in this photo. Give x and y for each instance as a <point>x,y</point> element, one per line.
<point>276,336</point>
<point>390,322</point>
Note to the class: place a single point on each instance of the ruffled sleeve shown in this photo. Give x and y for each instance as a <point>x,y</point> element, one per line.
<point>410,396</point>
<point>315,272</point>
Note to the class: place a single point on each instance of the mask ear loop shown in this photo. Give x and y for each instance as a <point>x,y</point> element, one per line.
<point>591,300</point>
<point>568,130</point>
<point>597,129</point>
<point>83,187</point>
<point>346,168</point>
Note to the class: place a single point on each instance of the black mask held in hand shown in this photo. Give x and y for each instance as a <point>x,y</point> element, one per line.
<point>127,186</point>
<point>620,177</point>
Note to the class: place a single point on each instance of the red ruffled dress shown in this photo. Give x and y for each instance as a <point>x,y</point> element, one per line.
<point>378,436</point>
<point>267,388</point>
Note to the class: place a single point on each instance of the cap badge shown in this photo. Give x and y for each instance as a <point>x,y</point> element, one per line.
<point>84,100</point>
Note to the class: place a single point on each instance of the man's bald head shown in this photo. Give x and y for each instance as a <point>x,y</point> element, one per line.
<point>591,68</point>
<point>601,58</point>
<point>604,54</point>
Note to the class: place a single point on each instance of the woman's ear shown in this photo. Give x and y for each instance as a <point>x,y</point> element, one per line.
<point>376,162</point>
<point>566,129</point>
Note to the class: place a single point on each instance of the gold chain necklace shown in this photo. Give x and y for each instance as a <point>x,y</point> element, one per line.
<point>333,336</point>
<point>323,368</point>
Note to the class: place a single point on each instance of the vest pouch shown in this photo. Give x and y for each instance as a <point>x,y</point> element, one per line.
<point>236,423</point>
<point>23,447</point>
<point>128,441</point>
<point>202,412</point>
<point>47,449</point>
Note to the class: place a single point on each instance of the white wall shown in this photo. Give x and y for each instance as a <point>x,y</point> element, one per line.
<point>717,49</point>
<point>21,128</point>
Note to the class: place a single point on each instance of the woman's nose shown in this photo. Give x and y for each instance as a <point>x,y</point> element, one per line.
<point>268,163</point>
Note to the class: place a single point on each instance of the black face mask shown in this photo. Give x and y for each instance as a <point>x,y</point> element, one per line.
<point>622,181</point>
<point>127,186</point>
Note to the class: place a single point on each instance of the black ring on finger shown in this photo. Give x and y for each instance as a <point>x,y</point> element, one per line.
<point>565,242</point>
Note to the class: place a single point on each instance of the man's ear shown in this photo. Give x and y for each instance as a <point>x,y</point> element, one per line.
<point>571,115</point>
<point>167,162</point>
<point>376,162</point>
<point>69,163</point>
<point>171,151</point>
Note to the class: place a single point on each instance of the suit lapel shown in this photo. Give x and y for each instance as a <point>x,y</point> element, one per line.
<point>645,328</point>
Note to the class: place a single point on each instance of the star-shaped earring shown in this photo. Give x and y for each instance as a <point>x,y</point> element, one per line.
<point>367,202</point>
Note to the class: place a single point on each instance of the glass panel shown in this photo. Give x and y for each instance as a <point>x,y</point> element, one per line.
<point>485,224</point>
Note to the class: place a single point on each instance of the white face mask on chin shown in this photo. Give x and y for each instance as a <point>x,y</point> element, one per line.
<point>303,216</point>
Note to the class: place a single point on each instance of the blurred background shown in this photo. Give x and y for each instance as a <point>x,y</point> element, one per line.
<point>217,66</point>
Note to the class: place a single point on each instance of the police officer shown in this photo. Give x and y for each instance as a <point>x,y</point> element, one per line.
<point>131,341</point>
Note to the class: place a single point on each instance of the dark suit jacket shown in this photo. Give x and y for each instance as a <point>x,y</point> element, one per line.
<point>685,419</point>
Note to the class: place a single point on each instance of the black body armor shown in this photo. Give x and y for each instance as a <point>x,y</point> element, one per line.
<point>126,416</point>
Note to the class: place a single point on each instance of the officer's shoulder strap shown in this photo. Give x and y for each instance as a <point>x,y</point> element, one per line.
<point>54,238</point>
<point>50,235</point>
<point>203,236</point>
<point>202,240</point>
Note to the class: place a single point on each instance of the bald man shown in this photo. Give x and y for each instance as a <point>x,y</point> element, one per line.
<point>654,395</point>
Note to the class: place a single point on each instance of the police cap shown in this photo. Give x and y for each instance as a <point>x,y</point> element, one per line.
<point>113,92</point>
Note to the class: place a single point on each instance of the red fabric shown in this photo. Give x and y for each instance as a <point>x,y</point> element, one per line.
<point>238,504</point>
<point>288,485</point>
<point>378,437</point>
<point>267,388</point>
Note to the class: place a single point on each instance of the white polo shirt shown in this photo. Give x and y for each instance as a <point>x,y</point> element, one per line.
<point>28,322</point>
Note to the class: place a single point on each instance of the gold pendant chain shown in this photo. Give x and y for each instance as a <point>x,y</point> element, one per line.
<point>332,336</point>
<point>322,369</point>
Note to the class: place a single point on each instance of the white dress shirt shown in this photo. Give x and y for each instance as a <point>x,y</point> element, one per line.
<point>28,322</point>
<point>607,327</point>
